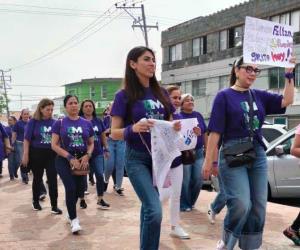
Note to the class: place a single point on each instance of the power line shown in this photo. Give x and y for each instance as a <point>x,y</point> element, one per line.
<point>75,37</point>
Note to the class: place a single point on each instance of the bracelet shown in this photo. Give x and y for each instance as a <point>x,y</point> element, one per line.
<point>289,76</point>
<point>215,164</point>
<point>70,157</point>
<point>127,132</point>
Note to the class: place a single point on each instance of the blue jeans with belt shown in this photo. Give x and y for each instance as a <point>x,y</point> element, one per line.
<point>192,182</point>
<point>246,198</point>
<point>139,169</point>
<point>115,161</point>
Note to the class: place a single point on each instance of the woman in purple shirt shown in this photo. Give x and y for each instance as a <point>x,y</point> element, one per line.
<point>17,140</point>
<point>192,178</point>
<point>88,111</point>
<point>12,166</point>
<point>4,146</point>
<point>73,141</point>
<point>245,186</point>
<point>39,155</point>
<point>140,99</point>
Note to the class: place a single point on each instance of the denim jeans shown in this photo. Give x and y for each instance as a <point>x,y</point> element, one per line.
<point>74,185</point>
<point>220,200</point>
<point>97,167</point>
<point>139,169</point>
<point>192,182</point>
<point>115,161</point>
<point>12,164</point>
<point>19,155</point>
<point>246,198</point>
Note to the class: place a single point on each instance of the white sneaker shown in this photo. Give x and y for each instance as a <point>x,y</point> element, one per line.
<point>75,227</point>
<point>211,215</point>
<point>221,245</point>
<point>86,192</point>
<point>178,232</point>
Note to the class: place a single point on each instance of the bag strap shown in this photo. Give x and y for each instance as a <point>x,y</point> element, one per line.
<point>143,141</point>
<point>251,115</point>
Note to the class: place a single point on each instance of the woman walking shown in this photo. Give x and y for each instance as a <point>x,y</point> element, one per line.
<point>237,115</point>
<point>140,99</point>
<point>17,141</point>
<point>88,111</point>
<point>73,141</point>
<point>192,177</point>
<point>39,155</point>
<point>12,164</point>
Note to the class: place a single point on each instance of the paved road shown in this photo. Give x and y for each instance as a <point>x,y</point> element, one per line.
<point>118,228</point>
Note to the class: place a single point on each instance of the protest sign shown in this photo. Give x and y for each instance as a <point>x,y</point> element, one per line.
<point>267,43</point>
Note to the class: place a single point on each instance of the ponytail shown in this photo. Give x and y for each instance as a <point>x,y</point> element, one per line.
<point>237,63</point>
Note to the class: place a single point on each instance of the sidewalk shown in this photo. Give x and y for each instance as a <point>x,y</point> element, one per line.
<point>118,228</point>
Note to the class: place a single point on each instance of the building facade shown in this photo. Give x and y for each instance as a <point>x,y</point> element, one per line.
<point>100,90</point>
<point>197,53</point>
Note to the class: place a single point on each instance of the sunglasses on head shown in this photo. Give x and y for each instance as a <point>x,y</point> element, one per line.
<point>250,69</point>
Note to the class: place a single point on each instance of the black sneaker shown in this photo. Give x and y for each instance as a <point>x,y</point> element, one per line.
<point>103,205</point>
<point>119,192</point>
<point>56,210</point>
<point>83,204</point>
<point>115,187</point>
<point>36,206</point>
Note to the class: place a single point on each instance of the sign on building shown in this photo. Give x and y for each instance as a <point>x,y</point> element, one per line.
<point>267,43</point>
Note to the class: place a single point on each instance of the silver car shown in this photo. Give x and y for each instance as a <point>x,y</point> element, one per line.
<point>284,168</point>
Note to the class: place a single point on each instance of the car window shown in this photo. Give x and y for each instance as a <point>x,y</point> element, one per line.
<point>270,134</point>
<point>286,145</point>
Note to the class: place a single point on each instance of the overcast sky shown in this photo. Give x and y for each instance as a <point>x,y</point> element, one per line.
<point>27,33</point>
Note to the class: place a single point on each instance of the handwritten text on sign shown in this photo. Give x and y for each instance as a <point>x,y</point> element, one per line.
<point>267,43</point>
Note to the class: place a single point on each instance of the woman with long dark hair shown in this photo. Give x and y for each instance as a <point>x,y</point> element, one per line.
<point>237,115</point>
<point>73,141</point>
<point>12,164</point>
<point>141,99</point>
<point>39,155</point>
<point>88,112</point>
<point>17,141</point>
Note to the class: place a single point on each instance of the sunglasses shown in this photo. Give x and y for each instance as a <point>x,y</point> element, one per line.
<point>250,70</point>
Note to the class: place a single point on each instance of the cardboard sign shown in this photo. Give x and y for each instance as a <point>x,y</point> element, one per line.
<point>267,43</point>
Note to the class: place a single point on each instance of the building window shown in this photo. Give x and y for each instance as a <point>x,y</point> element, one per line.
<point>72,92</point>
<point>176,52</point>
<point>284,18</point>
<point>199,46</point>
<point>276,78</point>
<point>238,36</point>
<point>199,87</point>
<point>297,76</point>
<point>223,82</point>
<point>223,40</point>
<point>103,91</point>
<point>295,20</point>
<point>92,92</point>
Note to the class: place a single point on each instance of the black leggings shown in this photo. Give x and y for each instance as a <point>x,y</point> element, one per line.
<point>296,223</point>
<point>40,159</point>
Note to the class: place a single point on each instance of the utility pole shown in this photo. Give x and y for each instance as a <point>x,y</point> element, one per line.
<point>138,22</point>
<point>3,81</point>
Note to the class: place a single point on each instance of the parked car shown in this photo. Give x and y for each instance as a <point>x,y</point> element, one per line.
<point>283,168</point>
<point>271,132</point>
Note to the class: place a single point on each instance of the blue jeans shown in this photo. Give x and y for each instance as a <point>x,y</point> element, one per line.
<point>12,164</point>
<point>115,161</point>
<point>97,167</point>
<point>19,155</point>
<point>192,182</point>
<point>139,169</point>
<point>74,185</point>
<point>246,194</point>
<point>220,200</point>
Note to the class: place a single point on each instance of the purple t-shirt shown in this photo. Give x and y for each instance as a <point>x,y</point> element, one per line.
<point>19,129</point>
<point>8,130</point>
<point>230,112</point>
<point>74,134</point>
<point>38,133</point>
<point>201,125</point>
<point>147,107</point>
<point>3,135</point>
<point>178,160</point>
<point>98,128</point>
<point>107,121</point>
